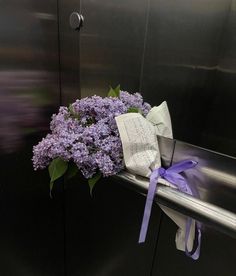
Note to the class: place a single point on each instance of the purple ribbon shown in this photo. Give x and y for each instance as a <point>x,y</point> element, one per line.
<point>172,175</point>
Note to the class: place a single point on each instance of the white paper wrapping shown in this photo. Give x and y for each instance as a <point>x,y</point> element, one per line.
<point>141,155</point>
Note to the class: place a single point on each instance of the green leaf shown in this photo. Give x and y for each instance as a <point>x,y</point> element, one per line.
<point>111,93</point>
<point>114,92</point>
<point>71,109</point>
<point>133,110</point>
<point>90,121</point>
<point>92,181</point>
<point>72,112</point>
<point>56,169</point>
<point>117,90</point>
<point>72,170</point>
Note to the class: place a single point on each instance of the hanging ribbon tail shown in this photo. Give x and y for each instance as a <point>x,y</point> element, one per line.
<point>148,205</point>
<point>182,166</point>
<point>172,175</point>
<point>194,255</point>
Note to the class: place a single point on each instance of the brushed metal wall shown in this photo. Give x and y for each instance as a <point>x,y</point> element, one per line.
<point>190,62</point>
<point>183,53</point>
<point>102,231</point>
<point>31,225</point>
<point>179,51</point>
<point>69,43</point>
<point>217,254</point>
<point>112,42</point>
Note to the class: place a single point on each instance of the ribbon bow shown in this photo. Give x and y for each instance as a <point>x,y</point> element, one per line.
<point>172,174</point>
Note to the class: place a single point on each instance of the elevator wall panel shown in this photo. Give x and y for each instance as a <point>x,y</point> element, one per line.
<point>112,42</point>
<point>31,232</point>
<point>189,62</point>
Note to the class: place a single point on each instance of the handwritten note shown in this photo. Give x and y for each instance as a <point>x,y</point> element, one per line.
<point>140,145</point>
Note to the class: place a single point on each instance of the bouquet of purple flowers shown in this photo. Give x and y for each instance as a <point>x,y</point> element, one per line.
<point>88,135</point>
<point>84,137</point>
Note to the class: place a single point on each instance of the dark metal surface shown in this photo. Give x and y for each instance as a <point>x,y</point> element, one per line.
<point>102,231</point>
<point>111,45</point>
<point>31,225</point>
<point>189,61</point>
<point>217,254</point>
<point>69,52</point>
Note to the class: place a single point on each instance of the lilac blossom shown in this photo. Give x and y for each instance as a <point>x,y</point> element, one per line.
<point>135,100</point>
<point>86,134</point>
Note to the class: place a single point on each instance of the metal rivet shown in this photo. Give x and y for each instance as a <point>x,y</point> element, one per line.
<point>76,21</point>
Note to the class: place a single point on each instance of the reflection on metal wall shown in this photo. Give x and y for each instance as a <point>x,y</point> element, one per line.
<point>28,69</point>
<point>31,223</point>
<point>189,61</point>
<point>214,176</point>
<point>111,44</point>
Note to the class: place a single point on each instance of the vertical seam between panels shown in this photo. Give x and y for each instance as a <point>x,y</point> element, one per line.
<point>144,44</point>
<point>79,47</point>
<point>221,35</point>
<point>59,53</point>
<point>173,152</point>
<point>60,102</point>
<point>155,255</point>
<point>156,243</point>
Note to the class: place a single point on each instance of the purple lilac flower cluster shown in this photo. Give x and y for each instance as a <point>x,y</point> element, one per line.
<point>86,134</point>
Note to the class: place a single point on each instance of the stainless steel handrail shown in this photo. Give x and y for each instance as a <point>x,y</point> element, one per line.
<point>212,215</point>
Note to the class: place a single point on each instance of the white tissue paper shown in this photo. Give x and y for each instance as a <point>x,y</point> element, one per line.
<point>141,155</point>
